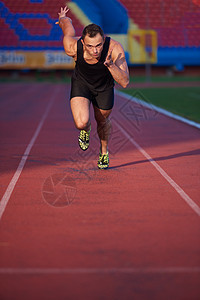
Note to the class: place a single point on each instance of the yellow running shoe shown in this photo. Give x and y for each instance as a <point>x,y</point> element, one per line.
<point>84,139</point>
<point>103,162</point>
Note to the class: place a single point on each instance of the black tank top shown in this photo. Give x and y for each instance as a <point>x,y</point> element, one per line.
<point>96,76</point>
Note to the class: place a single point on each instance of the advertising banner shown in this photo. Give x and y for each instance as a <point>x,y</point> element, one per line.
<point>35,60</point>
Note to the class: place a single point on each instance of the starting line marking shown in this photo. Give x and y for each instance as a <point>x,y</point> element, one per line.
<point>11,186</point>
<point>178,189</point>
<point>71,271</point>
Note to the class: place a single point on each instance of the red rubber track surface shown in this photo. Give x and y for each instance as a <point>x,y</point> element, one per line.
<point>121,233</point>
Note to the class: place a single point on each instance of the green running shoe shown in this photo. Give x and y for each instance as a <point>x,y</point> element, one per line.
<point>84,139</point>
<point>103,162</point>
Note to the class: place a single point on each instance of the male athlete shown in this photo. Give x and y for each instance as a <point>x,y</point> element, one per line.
<point>99,61</point>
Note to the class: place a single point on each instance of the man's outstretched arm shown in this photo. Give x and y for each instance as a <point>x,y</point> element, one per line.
<point>69,40</point>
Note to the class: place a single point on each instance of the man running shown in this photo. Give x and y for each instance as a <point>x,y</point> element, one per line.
<point>99,61</point>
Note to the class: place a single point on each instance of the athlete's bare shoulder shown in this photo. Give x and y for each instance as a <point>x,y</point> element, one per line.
<point>116,47</point>
<point>117,51</point>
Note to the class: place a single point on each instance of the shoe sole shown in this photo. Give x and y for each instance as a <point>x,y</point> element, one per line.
<point>103,167</point>
<point>83,148</point>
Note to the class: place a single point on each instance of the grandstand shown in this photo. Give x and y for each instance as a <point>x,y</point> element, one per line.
<point>176,22</point>
<point>29,25</point>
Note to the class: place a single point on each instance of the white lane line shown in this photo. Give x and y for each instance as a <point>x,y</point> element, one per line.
<point>11,186</point>
<point>178,189</point>
<point>158,109</point>
<point>142,270</point>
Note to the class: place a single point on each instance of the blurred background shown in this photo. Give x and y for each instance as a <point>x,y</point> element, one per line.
<point>160,37</point>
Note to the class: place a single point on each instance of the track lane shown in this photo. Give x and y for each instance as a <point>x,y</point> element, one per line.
<point>18,121</point>
<point>175,146</point>
<point>126,218</point>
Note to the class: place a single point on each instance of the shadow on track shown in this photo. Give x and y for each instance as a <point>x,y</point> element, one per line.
<point>182,154</point>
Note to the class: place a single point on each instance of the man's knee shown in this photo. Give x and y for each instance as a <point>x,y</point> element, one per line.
<point>103,122</point>
<point>82,124</point>
<point>102,116</point>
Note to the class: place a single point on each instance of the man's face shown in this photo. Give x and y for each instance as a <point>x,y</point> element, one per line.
<point>94,45</point>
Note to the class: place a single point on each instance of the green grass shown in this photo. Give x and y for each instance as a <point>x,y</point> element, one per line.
<point>184,101</point>
<point>177,78</point>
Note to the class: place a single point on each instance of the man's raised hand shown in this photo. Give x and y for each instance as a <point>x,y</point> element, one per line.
<point>62,13</point>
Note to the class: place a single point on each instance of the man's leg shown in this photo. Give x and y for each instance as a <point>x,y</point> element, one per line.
<point>103,127</point>
<point>80,108</point>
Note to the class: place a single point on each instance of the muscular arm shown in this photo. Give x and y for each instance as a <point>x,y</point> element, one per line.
<point>69,39</point>
<point>117,65</point>
<point>67,27</point>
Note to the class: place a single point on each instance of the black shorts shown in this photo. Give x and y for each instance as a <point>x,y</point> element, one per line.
<point>103,100</point>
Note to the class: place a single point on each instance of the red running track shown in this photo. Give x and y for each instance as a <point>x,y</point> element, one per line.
<point>71,231</point>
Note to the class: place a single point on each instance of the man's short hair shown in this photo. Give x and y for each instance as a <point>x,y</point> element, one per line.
<point>92,30</point>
